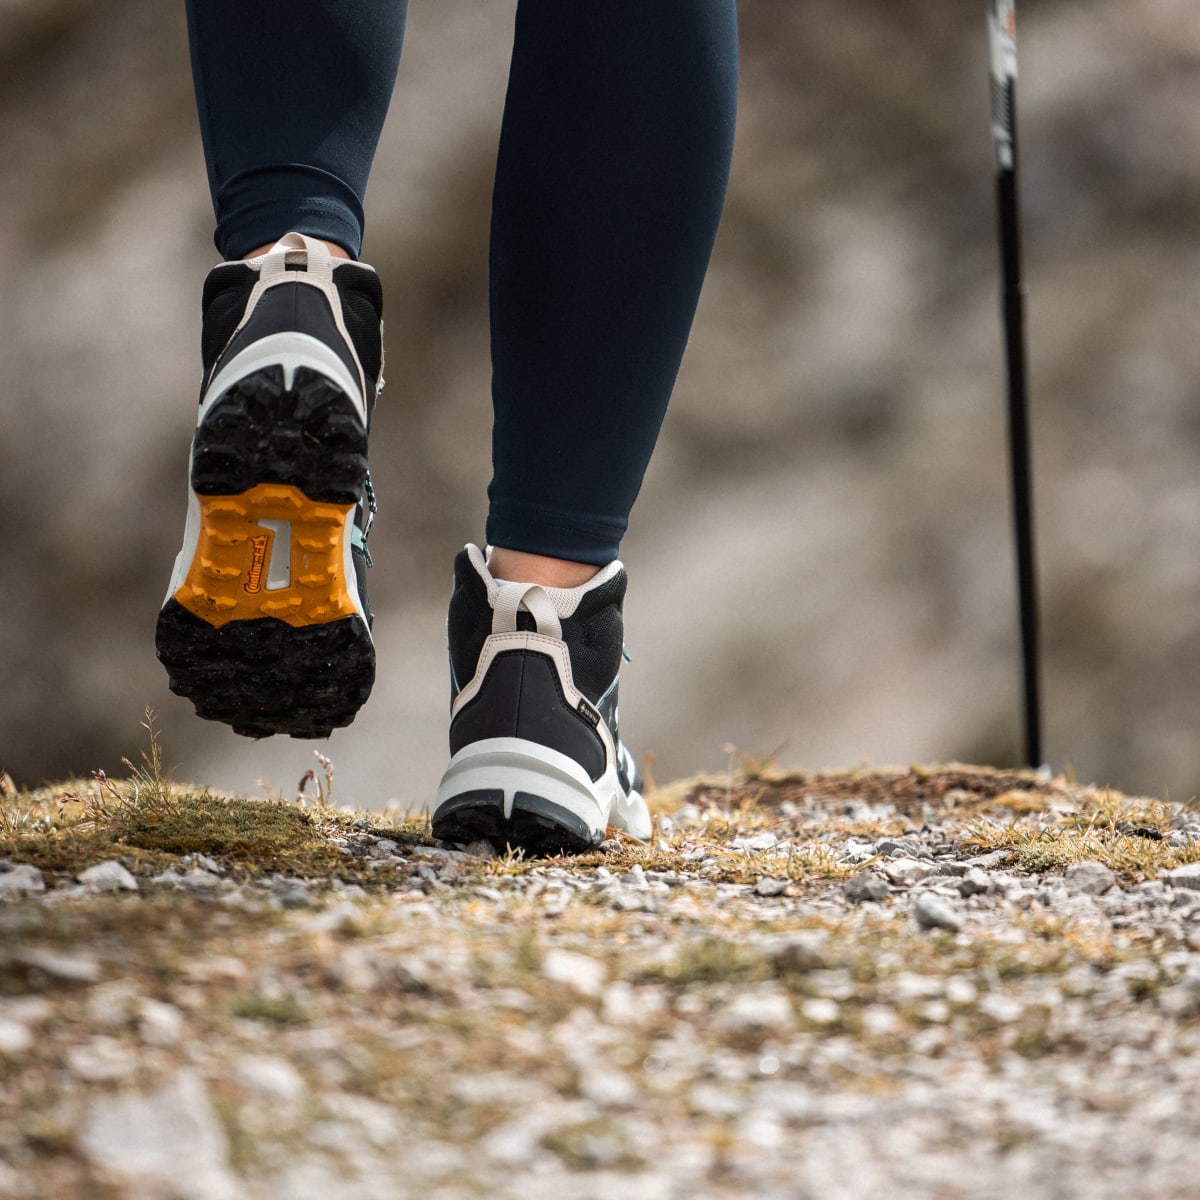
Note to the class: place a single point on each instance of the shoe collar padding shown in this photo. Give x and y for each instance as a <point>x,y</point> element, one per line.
<point>547,605</point>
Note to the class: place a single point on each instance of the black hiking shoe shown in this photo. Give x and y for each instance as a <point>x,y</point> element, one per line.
<point>536,761</point>
<point>266,624</point>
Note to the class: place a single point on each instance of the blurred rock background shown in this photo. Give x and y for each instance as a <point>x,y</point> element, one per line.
<point>821,557</point>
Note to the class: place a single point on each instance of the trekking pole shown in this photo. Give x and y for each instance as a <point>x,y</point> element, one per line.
<point>1002,30</point>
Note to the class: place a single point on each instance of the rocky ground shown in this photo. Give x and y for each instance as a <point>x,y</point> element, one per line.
<point>947,982</point>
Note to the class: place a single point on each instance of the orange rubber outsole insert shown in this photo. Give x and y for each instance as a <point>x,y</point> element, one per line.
<point>229,578</point>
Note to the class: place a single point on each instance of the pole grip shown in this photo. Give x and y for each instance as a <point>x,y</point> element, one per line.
<point>1002,38</point>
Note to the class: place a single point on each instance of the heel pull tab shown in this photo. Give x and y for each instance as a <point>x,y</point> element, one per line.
<point>298,249</point>
<point>513,597</point>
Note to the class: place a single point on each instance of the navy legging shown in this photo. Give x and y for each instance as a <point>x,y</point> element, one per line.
<point>614,157</point>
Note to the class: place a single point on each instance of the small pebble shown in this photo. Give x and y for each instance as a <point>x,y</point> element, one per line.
<point>931,912</point>
<point>21,880</point>
<point>580,972</point>
<point>904,872</point>
<point>757,1011</point>
<point>108,876</point>
<point>771,887</point>
<point>15,1038</point>
<point>1187,876</point>
<point>866,885</point>
<point>976,882</point>
<point>1089,878</point>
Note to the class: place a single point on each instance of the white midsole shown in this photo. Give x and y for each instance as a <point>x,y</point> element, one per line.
<point>289,350</point>
<point>512,765</point>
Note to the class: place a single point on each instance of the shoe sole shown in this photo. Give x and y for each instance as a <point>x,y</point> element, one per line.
<point>516,793</point>
<point>265,632</point>
<point>534,824</point>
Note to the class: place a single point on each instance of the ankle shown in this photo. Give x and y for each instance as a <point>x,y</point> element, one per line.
<point>517,566</point>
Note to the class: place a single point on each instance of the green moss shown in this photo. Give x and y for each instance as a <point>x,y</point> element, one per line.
<point>151,829</point>
<point>708,960</point>
<point>241,832</point>
<point>280,1011</point>
<point>593,1145</point>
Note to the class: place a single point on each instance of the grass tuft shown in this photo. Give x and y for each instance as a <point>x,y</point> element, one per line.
<point>150,823</point>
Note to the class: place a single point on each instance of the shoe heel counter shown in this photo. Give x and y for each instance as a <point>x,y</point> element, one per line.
<point>519,693</point>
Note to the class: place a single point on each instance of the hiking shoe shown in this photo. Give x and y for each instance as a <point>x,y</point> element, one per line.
<point>536,761</point>
<point>266,624</point>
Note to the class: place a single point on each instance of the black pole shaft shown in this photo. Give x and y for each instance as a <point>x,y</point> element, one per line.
<point>1004,131</point>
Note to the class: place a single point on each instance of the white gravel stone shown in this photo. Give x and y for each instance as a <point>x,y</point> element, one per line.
<point>987,861</point>
<point>12,1186</point>
<point>866,885</point>
<point>904,872</point>
<point>271,1077</point>
<point>909,985</point>
<point>620,1086</point>
<point>771,887</point>
<point>108,876</point>
<point>712,1100</point>
<point>606,1086</point>
<point>167,1142</point>
<point>764,1010</point>
<point>1001,1008</point>
<point>976,882</point>
<point>905,847</point>
<point>159,1024</point>
<point>936,1012</point>
<point>196,882</point>
<point>27,1010</point>
<point>514,1144</point>
<point>961,991</point>
<point>579,972</point>
<point>203,862</point>
<point>832,984</point>
<point>756,843</point>
<point>1089,878</point>
<point>931,912</point>
<point>878,1020</point>
<point>111,1005</point>
<point>820,1010</point>
<point>21,880</point>
<point>103,1059</point>
<point>60,964</point>
<point>761,1128</point>
<point>1187,876</point>
<point>625,1005</point>
<point>15,1038</point>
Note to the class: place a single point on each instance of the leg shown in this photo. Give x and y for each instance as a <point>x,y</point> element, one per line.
<point>614,157</point>
<point>291,100</point>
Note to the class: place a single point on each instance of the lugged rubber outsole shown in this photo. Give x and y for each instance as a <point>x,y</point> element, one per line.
<point>239,540</point>
<point>308,435</point>
<point>536,825</point>
<point>265,655</point>
<point>264,677</point>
